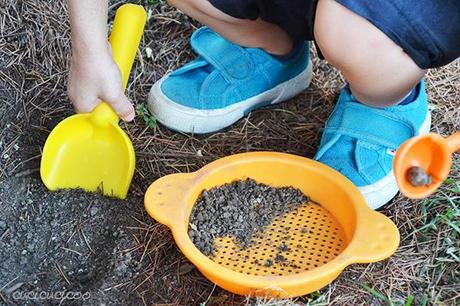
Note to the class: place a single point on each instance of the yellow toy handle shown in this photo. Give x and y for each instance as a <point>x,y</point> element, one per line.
<point>128,27</point>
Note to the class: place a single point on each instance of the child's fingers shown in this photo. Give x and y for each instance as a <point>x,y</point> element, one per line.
<point>81,105</point>
<point>123,107</point>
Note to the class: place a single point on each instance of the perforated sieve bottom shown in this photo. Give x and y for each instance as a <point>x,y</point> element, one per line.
<point>306,238</point>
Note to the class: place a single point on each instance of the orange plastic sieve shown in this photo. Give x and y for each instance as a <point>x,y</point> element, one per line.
<point>322,239</point>
<point>430,152</point>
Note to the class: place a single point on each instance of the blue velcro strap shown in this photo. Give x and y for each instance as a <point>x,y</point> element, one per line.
<point>231,60</point>
<point>360,122</point>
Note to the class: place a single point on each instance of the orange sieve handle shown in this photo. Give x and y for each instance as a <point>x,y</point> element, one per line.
<point>164,199</point>
<point>376,238</point>
<point>454,142</point>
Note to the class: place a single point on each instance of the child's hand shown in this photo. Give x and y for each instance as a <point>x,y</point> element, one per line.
<point>94,78</point>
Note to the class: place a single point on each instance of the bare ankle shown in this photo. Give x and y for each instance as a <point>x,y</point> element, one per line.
<point>264,35</point>
<point>280,49</point>
<point>243,32</point>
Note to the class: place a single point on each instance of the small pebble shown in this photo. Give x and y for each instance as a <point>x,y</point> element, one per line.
<point>268,263</point>
<point>283,247</point>
<point>418,177</point>
<point>93,211</point>
<point>280,258</point>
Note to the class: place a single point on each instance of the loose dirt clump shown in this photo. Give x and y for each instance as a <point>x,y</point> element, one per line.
<point>241,209</point>
<point>67,241</point>
<point>418,177</point>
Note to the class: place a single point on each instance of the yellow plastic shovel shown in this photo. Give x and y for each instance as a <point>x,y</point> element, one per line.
<point>91,151</point>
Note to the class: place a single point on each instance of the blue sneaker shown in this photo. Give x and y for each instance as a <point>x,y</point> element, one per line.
<point>224,83</point>
<point>360,141</point>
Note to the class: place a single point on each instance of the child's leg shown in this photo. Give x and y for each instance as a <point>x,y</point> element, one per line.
<point>378,71</point>
<point>382,48</point>
<point>251,54</point>
<point>247,33</point>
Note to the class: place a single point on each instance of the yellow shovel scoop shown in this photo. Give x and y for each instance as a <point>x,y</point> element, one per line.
<point>91,151</point>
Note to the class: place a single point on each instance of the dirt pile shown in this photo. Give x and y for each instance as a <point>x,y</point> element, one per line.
<point>241,209</point>
<point>66,241</point>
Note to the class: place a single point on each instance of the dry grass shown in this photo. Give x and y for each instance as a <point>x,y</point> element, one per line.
<point>34,54</point>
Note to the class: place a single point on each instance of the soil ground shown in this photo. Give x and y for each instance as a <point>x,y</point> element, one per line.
<point>111,249</point>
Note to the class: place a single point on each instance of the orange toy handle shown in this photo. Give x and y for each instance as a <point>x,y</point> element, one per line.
<point>376,238</point>
<point>454,142</point>
<point>164,198</point>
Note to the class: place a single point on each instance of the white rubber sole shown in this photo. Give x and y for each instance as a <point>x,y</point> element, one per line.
<point>381,192</point>
<point>190,120</point>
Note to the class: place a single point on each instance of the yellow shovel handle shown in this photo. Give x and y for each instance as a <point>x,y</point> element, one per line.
<point>128,27</point>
